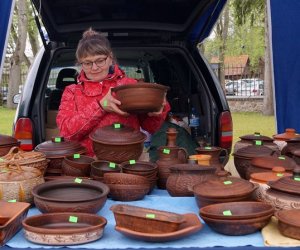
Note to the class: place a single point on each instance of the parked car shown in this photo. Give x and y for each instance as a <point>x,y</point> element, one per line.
<point>234,87</point>
<point>252,87</point>
<point>149,42</point>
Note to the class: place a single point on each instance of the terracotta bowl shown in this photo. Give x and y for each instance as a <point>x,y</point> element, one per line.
<point>289,223</point>
<point>74,166</point>
<point>135,218</point>
<point>99,168</point>
<point>141,97</point>
<point>77,195</point>
<point>237,226</point>
<point>237,210</point>
<point>64,228</point>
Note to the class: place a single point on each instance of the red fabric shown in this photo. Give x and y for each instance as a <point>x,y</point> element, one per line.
<point>80,112</point>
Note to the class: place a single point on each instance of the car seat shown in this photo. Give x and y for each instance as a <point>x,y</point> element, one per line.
<point>65,77</point>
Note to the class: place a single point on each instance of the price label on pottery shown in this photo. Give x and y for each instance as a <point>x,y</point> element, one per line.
<point>207,147</point>
<point>112,165</point>
<point>131,162</point>
<point>1,159</point>
<point>166,151</point>
<point>256,134</point>
<point>57,139</point>
<point>117,125</point>
<point>281,158</point>
<point>4,170</point>
<point>78,180</point>
<point>73,219</point>
<point>279,174</point>
<point>297,178</point>
<point>227,213</point>
<point>76,156</point>
<point>105,103</point>
<point>227,182</point>
<point>150,216</point>
<point>12,200</point>
<point>258,143</point>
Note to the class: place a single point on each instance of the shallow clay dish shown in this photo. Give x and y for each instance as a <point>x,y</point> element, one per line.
<point>238,210</point>
<point>77,195</point>
<point>64,228</point>
<point>289,223</point>
<point>141,97</point>
<point>11,216</point>
<point>191,225</point>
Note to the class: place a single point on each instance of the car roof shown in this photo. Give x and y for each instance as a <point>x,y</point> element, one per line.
<point>66,20</point>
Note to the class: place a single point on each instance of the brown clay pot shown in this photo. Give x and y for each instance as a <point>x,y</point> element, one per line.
<point>291,145</point>
<point>77,165</point>
<point>288,134</point>
<point>6,143</point>
<point>289,223</point>
<point>184,177</point>
<point>99,168</point>
<point>117,143</point>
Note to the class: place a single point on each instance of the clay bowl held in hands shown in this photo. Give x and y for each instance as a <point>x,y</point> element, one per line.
<point>289,222</point>
<point>77,165</point>
<point>77,195</point>
<point>237,210</point>
<point>141,97</point>
<point>64,228</point>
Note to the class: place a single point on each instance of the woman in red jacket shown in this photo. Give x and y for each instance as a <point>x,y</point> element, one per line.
<point>90,104</point>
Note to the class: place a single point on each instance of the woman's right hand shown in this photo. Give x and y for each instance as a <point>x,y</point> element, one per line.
<point>110,104</point>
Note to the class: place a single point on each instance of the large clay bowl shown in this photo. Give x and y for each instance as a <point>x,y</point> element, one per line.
<point>237,226</point>
<point>141,97</point>
<point>64,228</point>
<point>289,223</point>
<point>238,210</point>
<point>79,195</point>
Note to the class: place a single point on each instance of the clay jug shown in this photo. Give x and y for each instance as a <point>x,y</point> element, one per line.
<point>216,153</point>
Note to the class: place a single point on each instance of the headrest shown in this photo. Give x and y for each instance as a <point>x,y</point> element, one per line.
<point>66,77</point>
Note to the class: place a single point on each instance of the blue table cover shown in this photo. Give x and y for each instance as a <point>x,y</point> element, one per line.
<point>158,199</point>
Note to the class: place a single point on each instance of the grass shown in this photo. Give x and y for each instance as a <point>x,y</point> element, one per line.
<point>243,123</point>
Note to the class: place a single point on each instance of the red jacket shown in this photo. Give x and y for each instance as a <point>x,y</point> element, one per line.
<point>80,112</point>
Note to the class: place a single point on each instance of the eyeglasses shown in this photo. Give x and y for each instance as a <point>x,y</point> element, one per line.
<point>99,62</point>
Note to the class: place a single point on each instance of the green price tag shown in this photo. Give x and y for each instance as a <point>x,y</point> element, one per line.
<point>281,158</point>
<point>117,125</point>
<point>4,170</point>
<point>279,174</point>
<point>227,213</point>
<point>76,156</point>
<point>12,201</point>
<point>112,165</point>
<point>207,147</point>
<point>131,162</point>
<point>297,178</point>
<point>57,139</point>
<point>73,219</point>
<point>1,159</point>
<point>78,180</point>
<point>150,216</point>
<point>227,182</point>
<point>257,134</point>
<point>105,103</point>
<point>166,151</point>
<point>258,143</point>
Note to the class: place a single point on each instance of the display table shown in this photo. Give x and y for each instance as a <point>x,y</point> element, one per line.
<point>158,199</point>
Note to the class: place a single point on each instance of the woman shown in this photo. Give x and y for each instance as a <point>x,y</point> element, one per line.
<point>90,104</point>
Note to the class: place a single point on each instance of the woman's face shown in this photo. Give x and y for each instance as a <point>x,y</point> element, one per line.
<point>96,67</point>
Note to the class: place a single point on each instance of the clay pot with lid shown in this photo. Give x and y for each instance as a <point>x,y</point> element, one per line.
<point>291,145</point>
<point>184,176</point>
<point>284,193</point>
<point>56,150</point>
<point>247,140</point>
<point>6,143</point>
<point>243,157</point>
<point>289,223</point>
<point>117,143</point>
<point>282,138</point>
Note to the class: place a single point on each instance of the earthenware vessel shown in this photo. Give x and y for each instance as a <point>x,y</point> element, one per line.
<point>141,97</point>
<point>77,165</point>
<point>289,223</point>
<point>184,176</point>
<point>6,143</point>
<point>295,153</point>
<point>100,167</point>
<point>288,134</point>
<point>117,143</point>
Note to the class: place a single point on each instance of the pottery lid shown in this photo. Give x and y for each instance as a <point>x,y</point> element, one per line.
<point>289,216</point>
<point>268,162</point>
<point>256,136</point>
<point>7,140</point>
<point>224,187</point>
<point>254,150</point>
<point>117,134</point>
<point>287,135</point>
<point>264,177</point>
<point>59,147</point>
<point>290,184</point>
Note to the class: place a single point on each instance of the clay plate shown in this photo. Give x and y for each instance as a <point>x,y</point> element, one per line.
<point>64,228</point>
<point>191,225</point>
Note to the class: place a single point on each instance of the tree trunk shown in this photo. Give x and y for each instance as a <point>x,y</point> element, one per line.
<point>268,105</point>
<point>18,55</point>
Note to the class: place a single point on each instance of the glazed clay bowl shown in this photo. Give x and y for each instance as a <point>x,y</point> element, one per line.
<point>237,210</point>
<point>64,228</point>
<point>77,195</point>
<point>141,97</point>
<point>237,226</point>
<point>289,223</point>
<point>77,165</point>
<point>99,168</point>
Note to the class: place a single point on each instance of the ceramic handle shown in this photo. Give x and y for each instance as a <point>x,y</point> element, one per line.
<point>226,157</point>
<point>182,155</point>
